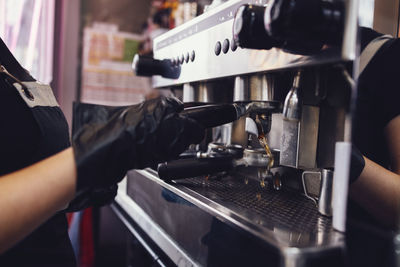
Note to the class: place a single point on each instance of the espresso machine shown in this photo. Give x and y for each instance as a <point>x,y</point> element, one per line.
<point>272,82</point>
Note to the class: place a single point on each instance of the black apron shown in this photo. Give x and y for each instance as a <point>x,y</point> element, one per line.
<point>49,245</point>
<point>368,242</point>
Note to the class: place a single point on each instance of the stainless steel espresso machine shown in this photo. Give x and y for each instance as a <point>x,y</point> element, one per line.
<point>272,81</point>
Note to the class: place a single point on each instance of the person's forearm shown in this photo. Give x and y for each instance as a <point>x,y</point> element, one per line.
<point>32,195</point>
<point>378,191</point>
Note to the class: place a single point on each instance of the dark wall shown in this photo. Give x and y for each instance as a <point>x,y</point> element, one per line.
<point>129,15</point>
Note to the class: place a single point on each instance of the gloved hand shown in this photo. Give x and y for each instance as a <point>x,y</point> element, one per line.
<point>115,140</point>
<point>93,198</point>
<point>357,164</point>
<point>96,197</point>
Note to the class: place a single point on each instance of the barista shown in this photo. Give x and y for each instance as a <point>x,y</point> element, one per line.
<point>374,196</point>
<point>33,226</point>
<point>375,175</point>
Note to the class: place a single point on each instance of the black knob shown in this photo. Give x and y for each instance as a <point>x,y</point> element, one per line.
<point>304,26</point>
<point>249,30</point>
<point>218,48</point>
<point>148,66</point>
<point>192,56</point>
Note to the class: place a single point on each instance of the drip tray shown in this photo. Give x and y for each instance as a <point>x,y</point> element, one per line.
<point>263,206</point>
<point>285,223</point>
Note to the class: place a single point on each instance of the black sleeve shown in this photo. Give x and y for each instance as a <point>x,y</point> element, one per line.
<point>19,132</point>
<point>367,35</point>
<point>390,95</point>
<point>382,78</point>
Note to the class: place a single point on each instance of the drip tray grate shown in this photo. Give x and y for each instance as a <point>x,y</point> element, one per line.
<point>265,206</point>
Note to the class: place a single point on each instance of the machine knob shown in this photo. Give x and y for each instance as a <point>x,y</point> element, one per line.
<point>148,66</point>
<point>249,30</point>
<point>304,26</point>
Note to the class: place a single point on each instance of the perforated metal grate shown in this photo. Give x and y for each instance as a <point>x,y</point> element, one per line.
<point>287,209</point>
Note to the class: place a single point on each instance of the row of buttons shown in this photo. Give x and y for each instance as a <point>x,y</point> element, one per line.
<point>184,58</point>
<point>224,47</point>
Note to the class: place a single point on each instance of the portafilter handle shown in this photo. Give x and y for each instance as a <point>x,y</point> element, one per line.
<point>193,167</point>
<point>210,116</point>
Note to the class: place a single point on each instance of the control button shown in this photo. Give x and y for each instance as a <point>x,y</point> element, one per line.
<point>218,48</point>
<point>192,56</point>
<point>233,45</point>
<point>182,59</point>
<point>225,46</point>
<point>187,57</point>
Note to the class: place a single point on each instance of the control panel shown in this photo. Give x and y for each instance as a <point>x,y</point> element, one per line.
<point>232,40</point>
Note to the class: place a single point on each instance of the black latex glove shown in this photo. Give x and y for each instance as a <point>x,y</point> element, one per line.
<point>85,114</point>
<point>115,140</point>
<point>357,164</point>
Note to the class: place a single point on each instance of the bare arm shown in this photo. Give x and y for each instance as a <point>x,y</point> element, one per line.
<point>378,189</point>
<point>32,195</point>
